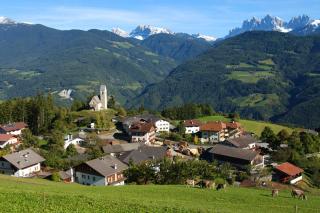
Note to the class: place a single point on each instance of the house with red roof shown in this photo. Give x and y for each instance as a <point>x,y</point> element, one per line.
<point>213,132</point>
<point>7,139</point>
<point>142,132</point>
<point>13,128</point>
<point>288,173</point>
<point>218,131</point>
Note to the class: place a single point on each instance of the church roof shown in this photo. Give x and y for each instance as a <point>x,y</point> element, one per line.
<point>95,100</point>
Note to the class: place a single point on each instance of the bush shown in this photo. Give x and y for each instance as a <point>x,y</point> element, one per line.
<point>55,177</point>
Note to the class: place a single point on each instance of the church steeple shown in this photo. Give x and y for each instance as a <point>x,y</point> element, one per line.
<point>104,96</point>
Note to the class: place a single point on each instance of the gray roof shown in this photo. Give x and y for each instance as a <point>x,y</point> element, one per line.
<point>24,158</point>
<point>233,152</point>
<point>118,148</point>
<point>65,174</point>
<point>243,141</point>
<point>106,165</point>
<point>144,153</point>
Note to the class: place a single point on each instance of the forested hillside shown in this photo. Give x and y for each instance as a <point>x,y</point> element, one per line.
<point>262,75</point>
<point>37,58</point>
<point>180,46</point>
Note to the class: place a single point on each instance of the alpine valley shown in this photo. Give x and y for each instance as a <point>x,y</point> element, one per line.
<point>267,69</point>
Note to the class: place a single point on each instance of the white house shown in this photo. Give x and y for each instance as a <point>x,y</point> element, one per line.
<point>68,140</point>
<point>162,126</point>
<point>21,164</point>
<point>13,128</point>
<point>192,126</point>
<point>98,103</point>
<point>103,171</point>
<point>7,139</point>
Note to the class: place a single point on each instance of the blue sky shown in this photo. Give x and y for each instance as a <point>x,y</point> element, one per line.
<point>210,17</point>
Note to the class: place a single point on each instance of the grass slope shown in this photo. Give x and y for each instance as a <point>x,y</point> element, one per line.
<point>32,195</point>
<point>249,125</point>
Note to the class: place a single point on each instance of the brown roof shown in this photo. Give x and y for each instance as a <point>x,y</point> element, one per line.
<point>13,126</point>
<point>233,125</point>
<point>216,126</point>
<point>5,137</point>
<point>233,152</point>
<point>141,127</point>
<point>289,169</point>
<point>192,123</point>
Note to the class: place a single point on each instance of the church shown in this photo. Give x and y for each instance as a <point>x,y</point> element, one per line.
<point>98,103</point>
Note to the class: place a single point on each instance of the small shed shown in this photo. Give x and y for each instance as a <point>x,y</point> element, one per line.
<point>288,173</point>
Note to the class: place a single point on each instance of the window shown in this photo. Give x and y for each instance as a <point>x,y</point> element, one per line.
<point>94,178</point>
<point>83,176</point>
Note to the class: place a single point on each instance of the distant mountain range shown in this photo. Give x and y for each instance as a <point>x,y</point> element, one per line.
<point>142,32</point>
<point>301,25</point>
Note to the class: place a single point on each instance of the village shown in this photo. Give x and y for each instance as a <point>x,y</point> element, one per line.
<point>143,139</point>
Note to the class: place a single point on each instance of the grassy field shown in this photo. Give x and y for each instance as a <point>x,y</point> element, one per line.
<point>32,195</point>
<point>250,77</point>
<point>249,125</point>
<point>257,99</point>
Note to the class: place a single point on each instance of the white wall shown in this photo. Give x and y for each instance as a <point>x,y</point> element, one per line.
<point>17,132</point>
<point>162,126</point>
<point>294,181</point>
<point>192,129</point>
<point>28,171</point>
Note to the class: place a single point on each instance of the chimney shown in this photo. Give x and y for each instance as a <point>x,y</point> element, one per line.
<point>115,166</point>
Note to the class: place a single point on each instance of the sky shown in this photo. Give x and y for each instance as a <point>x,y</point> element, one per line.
<point>209,17</point>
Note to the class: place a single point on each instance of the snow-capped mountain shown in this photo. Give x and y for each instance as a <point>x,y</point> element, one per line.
<point>298,22</point>
<point>205,37</point>
<point>5,20</point>
<point>143,31</point>
<point>311,28</point>
<point>302,25</point>
<point>120,32</point>
<point>268,23</point>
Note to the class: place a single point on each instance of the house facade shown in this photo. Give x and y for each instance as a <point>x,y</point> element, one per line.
<point>21,164</point>
<point>103,171</point>
<point>192,126</point>
<point>143,133</point>
<point>213,132</point>
<point>13,128</point>
<point>162,125</point>
<point>7,139</point>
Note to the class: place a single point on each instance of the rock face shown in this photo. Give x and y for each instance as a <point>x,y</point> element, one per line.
<point>5,20</point>
<point>120,32</point>
<point>301,25</point>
